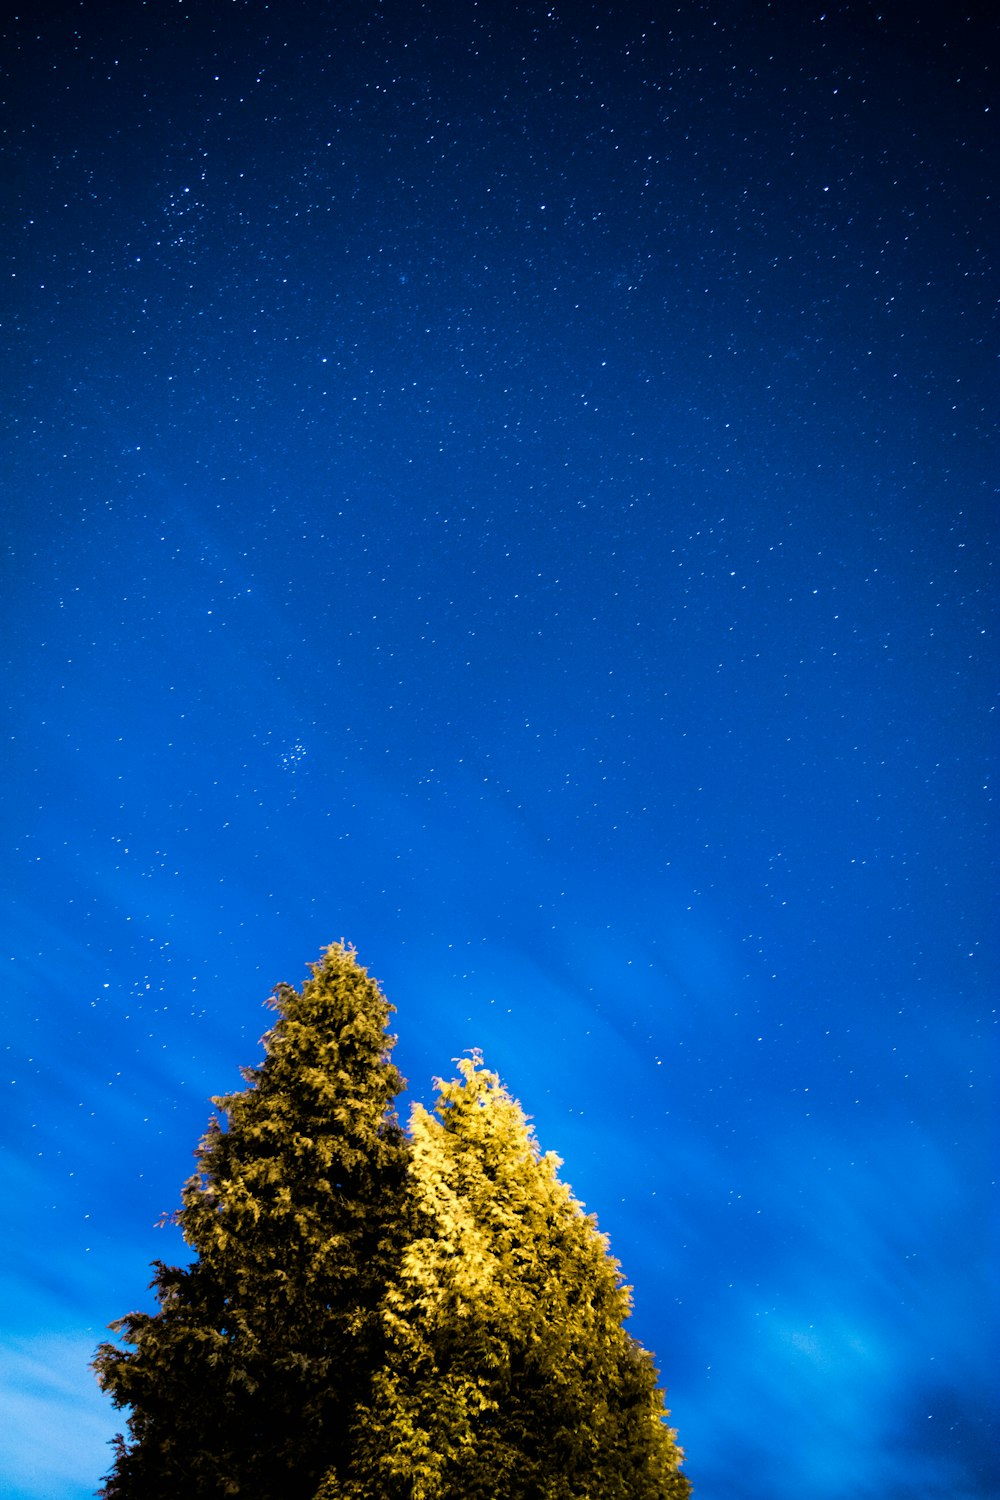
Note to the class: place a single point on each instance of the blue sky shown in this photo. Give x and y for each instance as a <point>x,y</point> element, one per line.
<point>517,492</point>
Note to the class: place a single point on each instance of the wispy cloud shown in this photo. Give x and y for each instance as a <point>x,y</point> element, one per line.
<point>56,1428</point>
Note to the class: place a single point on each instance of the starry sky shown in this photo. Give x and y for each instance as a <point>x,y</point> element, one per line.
<point>513,486</point>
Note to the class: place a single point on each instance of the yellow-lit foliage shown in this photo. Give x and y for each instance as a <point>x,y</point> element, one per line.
<point>374,1318</point>
<point>244,1380</point>
<point>508,1372</point>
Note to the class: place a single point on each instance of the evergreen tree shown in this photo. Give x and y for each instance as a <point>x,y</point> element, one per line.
<point>244,1379</point>
<point>508,1373</point>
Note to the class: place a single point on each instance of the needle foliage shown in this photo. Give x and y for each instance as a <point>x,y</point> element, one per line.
<point>508,1371</point>
<point>242,1381</point>
<point>374,1316</point>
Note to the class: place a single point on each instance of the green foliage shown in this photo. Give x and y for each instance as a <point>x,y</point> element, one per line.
<point>372,1318</point>
<point>240,1382</point>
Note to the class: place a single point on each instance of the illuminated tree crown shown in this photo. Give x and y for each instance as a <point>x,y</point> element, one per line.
<point>376,1317</point>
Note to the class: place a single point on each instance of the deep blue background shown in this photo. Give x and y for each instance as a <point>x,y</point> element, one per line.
<point>513,486</point>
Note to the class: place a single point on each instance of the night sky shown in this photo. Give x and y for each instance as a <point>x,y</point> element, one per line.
<point>512,486</point>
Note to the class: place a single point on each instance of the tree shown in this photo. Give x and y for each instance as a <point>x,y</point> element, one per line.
<point>371,1318</point>
<point>508,1372</point>
<point>244,1380</point>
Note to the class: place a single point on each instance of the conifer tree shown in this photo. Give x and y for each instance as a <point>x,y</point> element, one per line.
<point>508,1373</point>
<point>244,1380</point>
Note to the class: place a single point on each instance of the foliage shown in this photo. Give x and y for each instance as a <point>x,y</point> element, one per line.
<point>508,1371</point>
<point>240,1382</point>
<point>375,1318</point>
